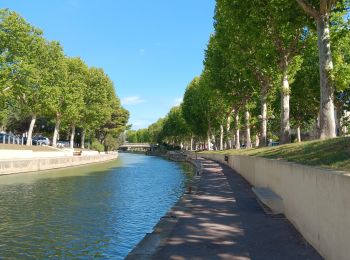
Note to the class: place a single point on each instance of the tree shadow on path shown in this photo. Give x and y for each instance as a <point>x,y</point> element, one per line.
<point>224,221</point>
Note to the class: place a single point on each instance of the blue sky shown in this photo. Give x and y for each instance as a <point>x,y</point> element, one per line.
<point>151,49</point>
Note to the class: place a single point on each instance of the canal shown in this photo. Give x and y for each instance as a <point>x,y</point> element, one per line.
<point>99,211</point>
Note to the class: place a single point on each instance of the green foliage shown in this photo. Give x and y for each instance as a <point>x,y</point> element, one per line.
<point>97,146</point>
<point>175,129</point>
<point>110,143</point>
<point>37,79</point>
<point>255,43</point>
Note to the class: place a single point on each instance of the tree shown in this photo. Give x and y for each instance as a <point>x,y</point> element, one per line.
<point>97,100</point>
<point>57,101</point>
<point>73,92</point>
<point>305,95</point>
<point>175,129</point>
<point>24,72</point>
<point>202,107</point>
<point>321,11</point>
<point>240,40</point>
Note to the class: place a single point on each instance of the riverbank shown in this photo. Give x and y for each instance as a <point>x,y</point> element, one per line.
<point>222,220</point>
<point>29,161</point>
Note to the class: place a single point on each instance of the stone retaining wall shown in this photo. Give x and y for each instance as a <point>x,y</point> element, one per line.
<point>39,164</point>
<point>316,201</point>
<point>23,154</point>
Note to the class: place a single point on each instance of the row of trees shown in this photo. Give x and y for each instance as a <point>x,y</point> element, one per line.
<point>269,66</point>
<point>37,80</point>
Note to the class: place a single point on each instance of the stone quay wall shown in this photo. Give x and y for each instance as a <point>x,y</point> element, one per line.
<point>11,166</point>
<point>316,200</point>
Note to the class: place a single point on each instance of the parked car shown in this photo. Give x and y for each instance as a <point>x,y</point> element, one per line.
<point>40,140</point>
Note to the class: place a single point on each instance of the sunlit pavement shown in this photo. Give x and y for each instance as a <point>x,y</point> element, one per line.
<point>224,221</point>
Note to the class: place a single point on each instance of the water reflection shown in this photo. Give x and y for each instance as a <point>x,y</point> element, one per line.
<point>98,211</point>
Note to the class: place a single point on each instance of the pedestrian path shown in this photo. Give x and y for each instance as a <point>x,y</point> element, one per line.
<point>224,221</point>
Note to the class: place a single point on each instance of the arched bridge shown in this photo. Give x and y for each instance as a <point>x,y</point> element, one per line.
<point>135,146</point>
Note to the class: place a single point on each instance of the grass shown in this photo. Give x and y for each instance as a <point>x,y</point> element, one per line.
<point>332,153</point>
<point>34,148</point>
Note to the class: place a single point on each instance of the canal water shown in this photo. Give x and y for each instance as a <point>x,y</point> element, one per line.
<point>100,211</point>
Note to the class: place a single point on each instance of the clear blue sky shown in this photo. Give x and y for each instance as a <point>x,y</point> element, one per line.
<point>150,48</point>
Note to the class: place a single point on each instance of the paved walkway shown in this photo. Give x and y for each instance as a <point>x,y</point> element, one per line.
<point>224,221</point>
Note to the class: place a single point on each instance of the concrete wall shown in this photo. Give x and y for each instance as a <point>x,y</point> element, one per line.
<point>38,164</point>
<point>22,154</point>
<point>316,201</point>
<point>88,153</point>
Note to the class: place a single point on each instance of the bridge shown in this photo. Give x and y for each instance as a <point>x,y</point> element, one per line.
<point>135,147</point>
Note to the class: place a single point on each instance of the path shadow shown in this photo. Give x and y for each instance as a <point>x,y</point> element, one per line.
<point>224,221</point>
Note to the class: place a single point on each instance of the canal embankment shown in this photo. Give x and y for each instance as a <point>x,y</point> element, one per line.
<point>20,161</point>
<point>315,200</point>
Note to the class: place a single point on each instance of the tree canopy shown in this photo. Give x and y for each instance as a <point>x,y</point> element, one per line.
<point>271,69</point>
<point>38,81</point>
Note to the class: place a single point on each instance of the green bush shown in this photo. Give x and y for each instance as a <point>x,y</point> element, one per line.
<point>110,143</point>
<point>96,145</point>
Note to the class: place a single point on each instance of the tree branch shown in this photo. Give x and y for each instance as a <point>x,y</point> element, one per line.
<point>308,8</point>
<point>293,47</point>
<point>326,5</point>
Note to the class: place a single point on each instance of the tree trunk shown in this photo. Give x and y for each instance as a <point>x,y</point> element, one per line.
<point>317,132</point>
<point>191,148</point>
<point>327,122</point>
<point>285,126</point>
<point>30,131</point>
<point>237,143</point>
<point>233,140</point>
<point>215,144</point>
<point>228,130</point>
<point>72,135</point>
<point>56,131</point>
<point>208,141</point>
<point>263,130</point>
<point>221,137</point>
<point>298,134</point>
<point>82,141</point>
<point>257,140</point>
<point>228,141</point>
<point>247,130</point>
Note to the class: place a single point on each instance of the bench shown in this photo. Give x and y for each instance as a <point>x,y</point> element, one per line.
<point>269,199</point>
<point>77,153</point>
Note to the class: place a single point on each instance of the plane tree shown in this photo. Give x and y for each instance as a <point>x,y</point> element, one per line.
<point>175,129</point>
<point>240,41</point>
<point>321,11</point>
<point>73,106</point>
<point>24,75</point>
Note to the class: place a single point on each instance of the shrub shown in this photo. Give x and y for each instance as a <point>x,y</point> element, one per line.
<point>96,145</point>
